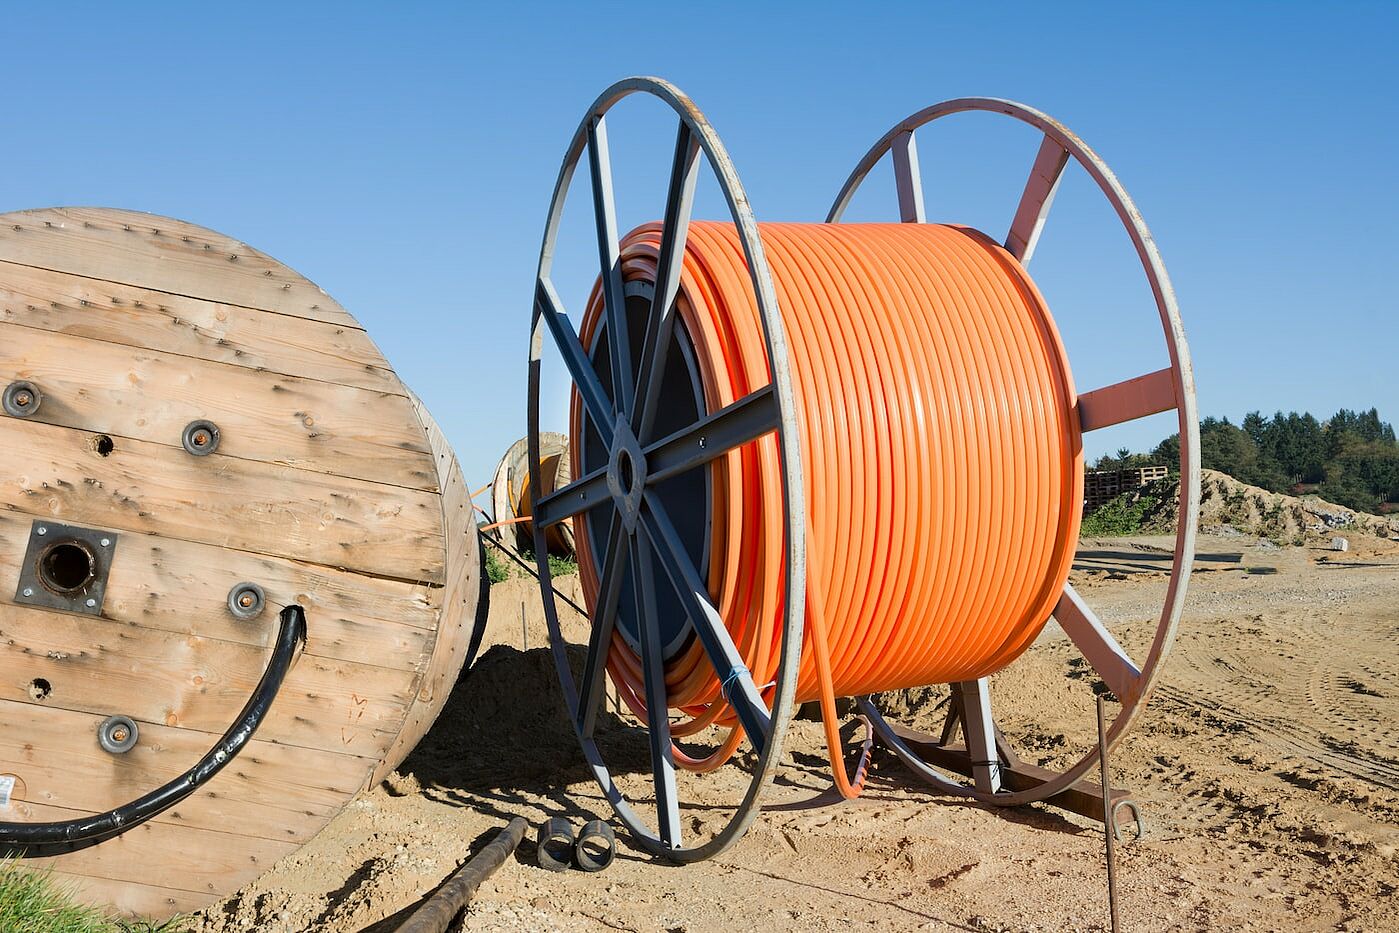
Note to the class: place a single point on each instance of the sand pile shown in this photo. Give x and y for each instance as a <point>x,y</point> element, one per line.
<point>1228,506</point>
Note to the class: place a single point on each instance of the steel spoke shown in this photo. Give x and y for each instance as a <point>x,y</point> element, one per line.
<point>1038,197</point>
<point>575,358</point>
<point>734,676</point>
<point>908,179</point>
<point>980,732</point>
<point>714,435</point>
<point>590,688</point>
<point>657,710</point>
<point>614,302</point>
<point>578,496</point>
<point>1127,400</point>
<point>1101,650</point>
<point>680,199</point>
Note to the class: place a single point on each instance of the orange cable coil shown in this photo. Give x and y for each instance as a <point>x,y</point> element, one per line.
<point>941,450</point>
<point>524,505</point>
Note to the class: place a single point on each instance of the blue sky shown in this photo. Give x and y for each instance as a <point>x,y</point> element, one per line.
<point>402,156</point>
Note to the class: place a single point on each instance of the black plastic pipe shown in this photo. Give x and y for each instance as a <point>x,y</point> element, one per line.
<point>42,839</point>
<point>457,891</point>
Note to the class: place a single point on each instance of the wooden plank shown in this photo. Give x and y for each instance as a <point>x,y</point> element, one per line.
<point>459,614</point>
<point>272,791</point>
<point>162,254</point>
<point>181,587</point>
<point>161,854</point>
<point>148,395</point>
<point>1127,400</point>
<point>128,899</point>
<point>206,330</point>
<point>262,508</point>
<point>99,666</point>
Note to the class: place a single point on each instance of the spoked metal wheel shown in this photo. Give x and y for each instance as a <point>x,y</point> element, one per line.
<point>641,549</point>
<point>997,779</point>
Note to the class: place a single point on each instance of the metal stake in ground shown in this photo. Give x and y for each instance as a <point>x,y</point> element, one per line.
<point>1108,828</point>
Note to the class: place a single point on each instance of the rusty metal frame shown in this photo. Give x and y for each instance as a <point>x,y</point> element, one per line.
<point>627,428</point>
<point>1152,393</point>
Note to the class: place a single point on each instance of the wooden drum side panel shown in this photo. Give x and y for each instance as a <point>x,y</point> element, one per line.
<point>461,610</point>
<point>162,254</point>
<point>62,303</point>
<point>329,489</point>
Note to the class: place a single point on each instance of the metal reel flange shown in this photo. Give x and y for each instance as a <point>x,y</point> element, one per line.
<point>1164,390</point>
<point>640,528</point>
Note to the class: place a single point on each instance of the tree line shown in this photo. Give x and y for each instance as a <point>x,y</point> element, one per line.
<point>1351,458</point>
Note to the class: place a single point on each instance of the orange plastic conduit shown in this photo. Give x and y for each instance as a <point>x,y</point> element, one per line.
<point>941,453</point>
<point>524,507</point>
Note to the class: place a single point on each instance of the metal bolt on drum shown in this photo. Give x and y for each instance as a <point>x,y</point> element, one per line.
<point>246,601</point>
<point>118,734</point>
<point>22,399</point>
<point>200,438</point>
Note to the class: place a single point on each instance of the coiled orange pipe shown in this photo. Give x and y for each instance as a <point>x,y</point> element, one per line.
<point>524,506</point>
<point>941,453</point>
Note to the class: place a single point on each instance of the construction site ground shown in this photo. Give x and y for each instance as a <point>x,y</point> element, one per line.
<point>1267,766</point>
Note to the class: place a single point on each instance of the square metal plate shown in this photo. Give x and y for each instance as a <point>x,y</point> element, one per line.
<point>65,567</point>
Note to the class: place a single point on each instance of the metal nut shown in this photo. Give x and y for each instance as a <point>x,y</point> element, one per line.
<point>200,438</point>
<point>22,399</point>
<point>246,601</point>
<point>118,734</point>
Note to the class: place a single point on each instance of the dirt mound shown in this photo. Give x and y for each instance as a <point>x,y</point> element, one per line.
<point>1228,506</point>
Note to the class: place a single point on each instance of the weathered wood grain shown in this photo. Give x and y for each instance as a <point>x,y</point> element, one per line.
<point>460,608</point>
<point>200,861</point>
<point>161,254</point>
<point>262,508</point>
<point>99,666</point>
<point>271,791</point>
<point>182,587</point>
<point>332,488</point>
<point>205,330</point>
<point>147,395</point>
<point>128,898</point>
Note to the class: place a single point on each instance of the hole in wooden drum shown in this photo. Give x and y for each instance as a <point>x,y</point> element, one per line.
<point>39,689</point>
<point>66,567</point>
<point>103,445</point>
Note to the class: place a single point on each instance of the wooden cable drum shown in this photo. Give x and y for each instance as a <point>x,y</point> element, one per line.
<point>511,492</point>
<point>830,460</point>
<point>223,516</point>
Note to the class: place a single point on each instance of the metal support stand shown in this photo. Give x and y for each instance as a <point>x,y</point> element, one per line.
<point>923,753</point>
<point>975,701</point>
<point>1109,821</point>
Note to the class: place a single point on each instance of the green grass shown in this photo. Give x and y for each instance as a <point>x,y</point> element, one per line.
<point>33,902</point>
<point>497,565</point>
<point>500,568</point>
<point>1120,516</point>
<point>562,566</point>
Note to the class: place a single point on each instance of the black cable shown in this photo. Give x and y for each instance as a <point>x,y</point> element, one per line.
<point>43,839</point>
<point>457,891</point>
<point>515,556</point>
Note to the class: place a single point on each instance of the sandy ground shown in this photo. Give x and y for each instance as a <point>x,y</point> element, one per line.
<point>1267,766</point>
